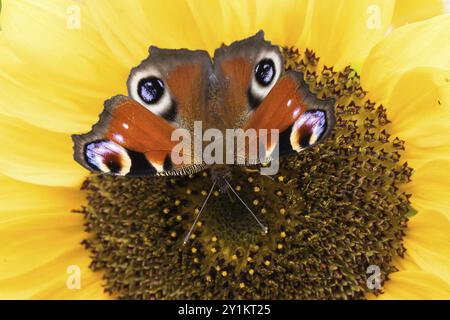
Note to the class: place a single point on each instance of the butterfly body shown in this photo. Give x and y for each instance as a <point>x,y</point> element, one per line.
<point>243,88</point>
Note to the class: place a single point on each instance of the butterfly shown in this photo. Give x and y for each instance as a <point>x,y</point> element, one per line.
<point>244,86</point>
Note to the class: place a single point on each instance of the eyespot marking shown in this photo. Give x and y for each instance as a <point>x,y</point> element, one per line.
<point>150,89</point>
<point>308,129</point>
<point>108,157</point>
<point>266,72</point>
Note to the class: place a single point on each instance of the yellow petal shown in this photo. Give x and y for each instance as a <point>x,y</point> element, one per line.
<point>282,21</point>
<point>409,11</point>
<point>83,67</point>
<point>144,23</point>
<point>19,198</point>
<point>405,263</point>
<point>91,283</point>
<point>430,188</point>
<point>38,256</point>
<point>343,32</point>
<point>419,108</point>
<point>36,155</point>
<point>41,244</point>
<point>226,21</point>
<point>49,281</point>
<point>59,75</point>
<point>427,242</point>
<point>422,44</point>
<point>28,242</point>
<point>414,285</point>
<point>192,24</point>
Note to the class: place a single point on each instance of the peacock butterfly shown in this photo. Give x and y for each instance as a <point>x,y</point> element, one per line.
<point>243,87</point>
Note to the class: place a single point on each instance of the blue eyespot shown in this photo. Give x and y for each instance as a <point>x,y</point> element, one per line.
<point>265,72</point>
<point>150,89</point>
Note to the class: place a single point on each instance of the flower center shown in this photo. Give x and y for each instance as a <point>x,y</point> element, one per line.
<point>335,212</point>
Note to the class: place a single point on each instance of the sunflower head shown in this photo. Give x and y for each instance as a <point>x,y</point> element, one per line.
<point>332,211</point>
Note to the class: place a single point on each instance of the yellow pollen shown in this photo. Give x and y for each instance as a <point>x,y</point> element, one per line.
<point>204,193</point>
<point>255,202</point>
<point>281,178</point>
<point>177,202</point>
<point>213,250</point>
<point>218,268</point>
<point>199,224</point>
<point>251,272</point>
<point>194,249</point>
<point>241,285</point>
<point>283,234</point>
<point>173,234</point>
<point>216,193</point>
<point>166,210</point>
<point>224,273</point>
<point>188,191</point>
<point>267,263</point>
<point>250,179</point>
<point>214,239</point>
<point>282,210</point>
<point>179,218</point>
<point>238,188</point>
<point>257,189</point>
<point>234,257</point>
<point>279,246</point>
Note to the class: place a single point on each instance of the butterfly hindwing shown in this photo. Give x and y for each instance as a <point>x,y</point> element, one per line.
<point>128,140</point>
<point>302,119</point>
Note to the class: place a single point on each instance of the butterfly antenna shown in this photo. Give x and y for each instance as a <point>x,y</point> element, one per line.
<point>229,195</point>
<point>263,227</point>
<point>270,177</point>
<point>186,238</point>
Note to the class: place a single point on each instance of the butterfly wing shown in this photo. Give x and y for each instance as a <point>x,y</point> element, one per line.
<point>128,140</point>
<point>235,67</point>
<point>167,91</point>
<point>246,88</point>
<point>258,94</point>
<point>302,119</point>
<point>184,74</point>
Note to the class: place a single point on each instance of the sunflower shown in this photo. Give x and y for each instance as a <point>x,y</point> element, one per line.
<point>383,204</point>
